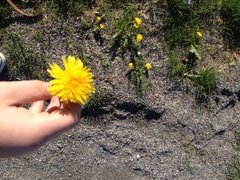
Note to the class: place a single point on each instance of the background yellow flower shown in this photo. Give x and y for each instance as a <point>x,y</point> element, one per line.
<point>101,26</point>
<point>148,66</point>
<point>74,83</point>
<point>99,18</point>
<point>199,34</point>
<point>137,22</point>
<point>139,37</point>
<point>130,65</point>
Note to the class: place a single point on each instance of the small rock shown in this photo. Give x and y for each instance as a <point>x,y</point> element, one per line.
<point>59,145</point>
<point>138,156</point>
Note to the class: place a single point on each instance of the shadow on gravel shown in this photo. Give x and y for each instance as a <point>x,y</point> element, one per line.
<point>120,111</point>
<point>114,49</point>
<point>98,38</point>
<point>138,108</point>
<point>96,112</point>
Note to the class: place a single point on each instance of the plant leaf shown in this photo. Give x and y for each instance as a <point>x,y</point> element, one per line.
<point>194,51</point>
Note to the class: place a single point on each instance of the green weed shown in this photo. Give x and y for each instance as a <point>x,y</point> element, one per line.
<point>116,4</point>
<point>23,62</point>
<point>193,51</point>
<point>138,75</point>
<point>66,8</point>
<point>207,8</point>
<point>124,33</point>
<point>181,24</point>
<point>184,37</point>
<point>99,25</point>
<point>4,13</point>
<point>38,36</point>
<point>177,68</point>
<point>231,15</point>
<point>185,19</point>
<point>205,80</point>
<point>98,99</point>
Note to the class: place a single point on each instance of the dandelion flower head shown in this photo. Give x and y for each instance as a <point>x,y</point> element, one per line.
<point>148,66</point>
<point>199,34</point>
<point>139,37</point>
<point>101,26</point>
<point>99,19</point>
<point>130,65</point>
<point>137,22</point>
<point>72,84</point>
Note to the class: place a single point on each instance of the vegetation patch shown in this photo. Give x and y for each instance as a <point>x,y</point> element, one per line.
<point>24,62</point>
<point>231,15</point>
<point>66,8</point>
<point>184,38</point>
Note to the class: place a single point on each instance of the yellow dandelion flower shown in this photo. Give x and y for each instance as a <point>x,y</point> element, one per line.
<point>148,66</point>
<point>199,34</point>
<point>136,25</point>
<point>130,65</point>
<point>137,22</point>
<point>99,19</point>
<point>101,26</point>
<point>139,37</point>
<point>74,83</point>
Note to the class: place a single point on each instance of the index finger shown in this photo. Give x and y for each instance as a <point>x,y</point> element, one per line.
<point>21,92</point>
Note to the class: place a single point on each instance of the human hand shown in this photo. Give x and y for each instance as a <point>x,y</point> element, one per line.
<point>21,129</point>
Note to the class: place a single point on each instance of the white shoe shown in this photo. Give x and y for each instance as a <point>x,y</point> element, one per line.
<point>2,62</point>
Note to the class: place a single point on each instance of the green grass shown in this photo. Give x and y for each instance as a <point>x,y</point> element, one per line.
<point>184,20</point>
<point>65,8</point>
<point>182,23</point>
<point>176,67</point>
<point>139,76</point>
<point>98,99</point>
<point>208,8</point>
<point>4,13</point>
<point>123,28</point>
<point>116,4</point>
<point>23,61</point>
<point>231,15</point>
<point>205,80</point>
<point>124,39</point>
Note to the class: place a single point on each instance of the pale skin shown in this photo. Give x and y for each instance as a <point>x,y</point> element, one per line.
<point>23,130</point>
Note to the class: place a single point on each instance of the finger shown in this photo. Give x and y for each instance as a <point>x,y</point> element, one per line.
<point>67,114</point>
<point>62,119</point>
<point>53,105</point>
<point>37,107</point>
<point>21,92</point>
